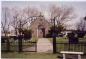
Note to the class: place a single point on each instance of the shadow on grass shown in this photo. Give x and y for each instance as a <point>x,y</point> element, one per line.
<point>30,55</point>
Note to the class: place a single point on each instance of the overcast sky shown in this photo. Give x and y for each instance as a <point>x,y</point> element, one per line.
<point>79,7</point>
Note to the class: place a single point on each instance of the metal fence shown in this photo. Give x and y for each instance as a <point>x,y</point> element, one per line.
<point>27,46</point>
<point>71,47</point>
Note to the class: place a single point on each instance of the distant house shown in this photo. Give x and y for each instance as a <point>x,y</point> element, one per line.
<point>65,32</point>
<point>40,27</point>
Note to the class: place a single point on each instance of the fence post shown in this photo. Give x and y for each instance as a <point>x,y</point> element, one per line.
<point>8,44</point>
<point>36,46</point>
<point>20,43</point>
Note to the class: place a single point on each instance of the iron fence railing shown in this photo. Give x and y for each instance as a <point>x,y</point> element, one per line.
<point>26,46</point>
<point>71,47</point>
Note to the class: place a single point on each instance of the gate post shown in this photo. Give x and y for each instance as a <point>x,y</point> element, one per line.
<point>20,43</point>
<point>54,44</point>
<point>54,38</point>
<point>8,44</point>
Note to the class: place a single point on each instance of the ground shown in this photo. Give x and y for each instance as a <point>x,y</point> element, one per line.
<point>30,55</point>
<point>44,45</point>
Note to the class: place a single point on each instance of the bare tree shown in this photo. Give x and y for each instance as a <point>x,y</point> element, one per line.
<point>61,14</point>
<point>20,18</point>
<point>81,26</point>
<point>14,20</point>
<point>23,17</point>
<point>31,13</point>
<point>5,23</point>
<point>58,17</point>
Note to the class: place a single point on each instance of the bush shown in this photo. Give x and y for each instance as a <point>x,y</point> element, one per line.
<point>50,32</point>
<point>81,34</point>
<point>27,34</point>
<point>58,30</point>
<point>3,39</point>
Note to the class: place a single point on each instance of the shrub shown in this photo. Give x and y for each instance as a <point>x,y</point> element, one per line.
<point>81,34</point>
<point>27,34</point>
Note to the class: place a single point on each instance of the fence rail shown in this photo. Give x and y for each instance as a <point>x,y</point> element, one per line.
<point>71,47</point>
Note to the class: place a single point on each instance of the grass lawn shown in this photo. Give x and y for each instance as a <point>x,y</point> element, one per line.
<point>32,55</point>
<point>65,39</point>
<point>29,55</point>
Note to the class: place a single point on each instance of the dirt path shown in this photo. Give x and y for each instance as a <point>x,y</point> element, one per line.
<point>44,45</point>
